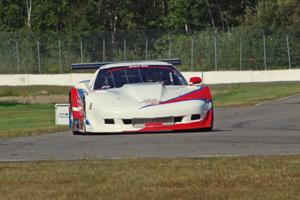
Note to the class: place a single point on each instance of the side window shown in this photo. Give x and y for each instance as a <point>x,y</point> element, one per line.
<point>178,78</point>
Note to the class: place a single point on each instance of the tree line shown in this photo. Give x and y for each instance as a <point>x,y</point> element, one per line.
<point>114,15</point>
<point>65,16</point>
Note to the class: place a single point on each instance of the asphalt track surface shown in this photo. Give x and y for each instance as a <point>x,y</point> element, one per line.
<point>268,129</point>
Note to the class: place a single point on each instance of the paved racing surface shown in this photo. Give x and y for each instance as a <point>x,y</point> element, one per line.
<point>267,129</point>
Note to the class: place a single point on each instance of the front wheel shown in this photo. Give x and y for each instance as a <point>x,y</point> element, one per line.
<point>210,128</point>
<point>75,125</point>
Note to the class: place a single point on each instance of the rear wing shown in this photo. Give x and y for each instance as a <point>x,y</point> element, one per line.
<point>80,66</point>
<point>86,66</point>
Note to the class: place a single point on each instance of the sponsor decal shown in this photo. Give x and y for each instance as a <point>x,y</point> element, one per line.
<point>150,102</point>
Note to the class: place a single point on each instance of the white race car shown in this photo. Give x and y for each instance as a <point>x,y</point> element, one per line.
<point>141,96</point>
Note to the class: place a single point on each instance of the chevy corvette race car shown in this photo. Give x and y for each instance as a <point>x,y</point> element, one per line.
<point>140,96</point>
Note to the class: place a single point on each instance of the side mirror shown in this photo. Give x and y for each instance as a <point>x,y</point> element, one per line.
<point>195,80</point>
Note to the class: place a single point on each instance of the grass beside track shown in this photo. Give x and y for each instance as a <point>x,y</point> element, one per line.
<point>251,94</point>
<point>25,91</point>
<point>275,177</point>
<point>27,119</point>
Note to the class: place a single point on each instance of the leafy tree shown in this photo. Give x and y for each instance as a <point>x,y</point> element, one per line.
<point>12,15</point>
<point>269,16</point>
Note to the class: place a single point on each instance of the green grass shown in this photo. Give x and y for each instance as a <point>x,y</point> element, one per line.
<point>276,177</point>
<point>32,90</point>
<point>251,94</point>
<point>26,119</point>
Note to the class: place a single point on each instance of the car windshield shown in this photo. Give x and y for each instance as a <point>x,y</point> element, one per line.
<point>119,76</point>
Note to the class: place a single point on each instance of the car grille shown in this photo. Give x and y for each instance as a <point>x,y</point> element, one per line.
<point>141,122</point>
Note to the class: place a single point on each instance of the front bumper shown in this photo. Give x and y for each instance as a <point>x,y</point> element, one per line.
<point>182,119</point>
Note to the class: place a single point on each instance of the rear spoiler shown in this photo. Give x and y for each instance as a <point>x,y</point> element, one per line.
<point>81,66</point>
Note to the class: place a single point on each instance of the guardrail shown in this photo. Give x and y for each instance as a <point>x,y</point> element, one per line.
<point>211,77</point>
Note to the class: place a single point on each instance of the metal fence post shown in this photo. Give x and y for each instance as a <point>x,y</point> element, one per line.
<point>265,53</point>
<point>103,49</point>
<point>81,51</point>
<point>216,55</point>
<point>192,53</point>
<point>38,56</point>
<point>125,52</point>
<point>241,54</point>
<point>170,48</point>
<point>17,54</point>
<point>146,50</point>
<point>288,51</point>
<point>59,52</point>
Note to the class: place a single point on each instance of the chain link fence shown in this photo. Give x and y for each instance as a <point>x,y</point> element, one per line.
<point>201,51</point>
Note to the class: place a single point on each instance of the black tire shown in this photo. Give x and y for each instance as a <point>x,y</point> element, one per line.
<point>211,123</point>
<point>74,131</point>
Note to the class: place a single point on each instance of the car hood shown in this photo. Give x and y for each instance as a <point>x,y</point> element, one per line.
<point>138,95</point>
